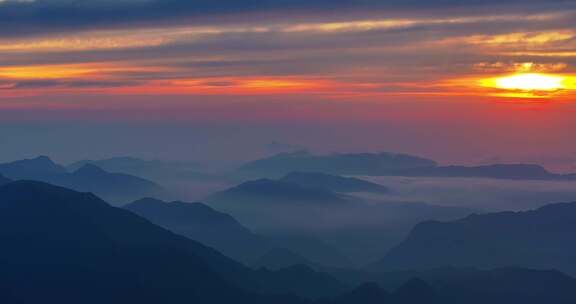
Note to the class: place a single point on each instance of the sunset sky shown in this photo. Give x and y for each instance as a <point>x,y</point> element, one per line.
<point>457,80</point>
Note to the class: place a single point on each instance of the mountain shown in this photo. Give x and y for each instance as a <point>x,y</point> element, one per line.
<point>540,239</point>
<point>271,206</point>
<point>150,169</point>
<point>39,168</point>
<point>469,285</point>
<point>359,230</point>
<point>203,224</point>
<point>333,182</point>
<point>301,280</point>
<point>389,164</point>
<point>112,186</point>
<point>502,171</point>
<point>314,250</point>
<point>343,164</point>
<point>279,258</point>
<point>131,165</point>
<point>69,247</point>
<point>270,191</point>
<point>63,246</point>
<point>367,293</point>
<point>414,291</point>
<point>4,180</point>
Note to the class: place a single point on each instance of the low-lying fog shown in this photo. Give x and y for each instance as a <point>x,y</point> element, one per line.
<point>477,193</point>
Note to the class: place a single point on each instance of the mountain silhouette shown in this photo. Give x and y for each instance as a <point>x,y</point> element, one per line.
<point>540,239</point>
<point>361,230</point>
<point>301,280</point>
<point>343,164</point>
<point>203,224</point>
<point>131,165</point>
<point>390,164</point>
<point>455,285</point>
<point>115,187</point>
<point>63,246</point>
<point>501,171</point>
<point>150,169</point>
<point>39,168</point>
<point>413,291</point>
<point>112,186</point>
<point>416,291</point>
<point>279,258</point>
<point>367,293</point>
<point>270,206</point>
<point>314,250</point>
<point>270,191</point>
<point>4,180</point>
<point>333,182</point>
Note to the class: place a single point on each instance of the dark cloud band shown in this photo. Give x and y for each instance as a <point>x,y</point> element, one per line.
<point>40,16</point>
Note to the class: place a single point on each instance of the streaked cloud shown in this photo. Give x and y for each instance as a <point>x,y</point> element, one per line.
<point>372,48</point>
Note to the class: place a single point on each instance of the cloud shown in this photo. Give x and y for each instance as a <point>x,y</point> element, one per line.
<point>44,16</point>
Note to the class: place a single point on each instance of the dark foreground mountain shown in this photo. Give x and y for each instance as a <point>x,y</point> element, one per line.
<point>224,233</point>
<point>279,258</point>
<point>114,187</point>
<point>62,246</point>
<point>203,224</point>
<point>540,239</point>
<point>469,285</point>
<point>333,182</point>
<point>316,252</point>
<point>4,180</point>
<point>343,164</point>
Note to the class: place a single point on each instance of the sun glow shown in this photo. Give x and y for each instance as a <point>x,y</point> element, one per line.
<point>537,84</point>
<point>531,82</point>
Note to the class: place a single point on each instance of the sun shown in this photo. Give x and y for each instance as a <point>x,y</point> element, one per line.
<point>531,82</point>
<point>531,85</point>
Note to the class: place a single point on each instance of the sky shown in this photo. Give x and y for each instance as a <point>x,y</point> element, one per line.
<point>456,80</point>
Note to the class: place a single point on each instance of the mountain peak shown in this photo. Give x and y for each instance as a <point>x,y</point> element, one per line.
<point>332,182</point>
<point>90,169</point>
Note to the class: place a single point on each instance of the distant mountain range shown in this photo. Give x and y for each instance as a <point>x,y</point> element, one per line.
<point>333,182</point>
<point>390,164</point>
<point>363,231</point>
<point>272,206</point>
<point>68,247</point>
<point>540,239</point>
<point>151,169</point>
<point>501,171</point>
<point>39,168</point>
<point>114,187</point>
<point>270,191</point>
<point>343,164</point>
